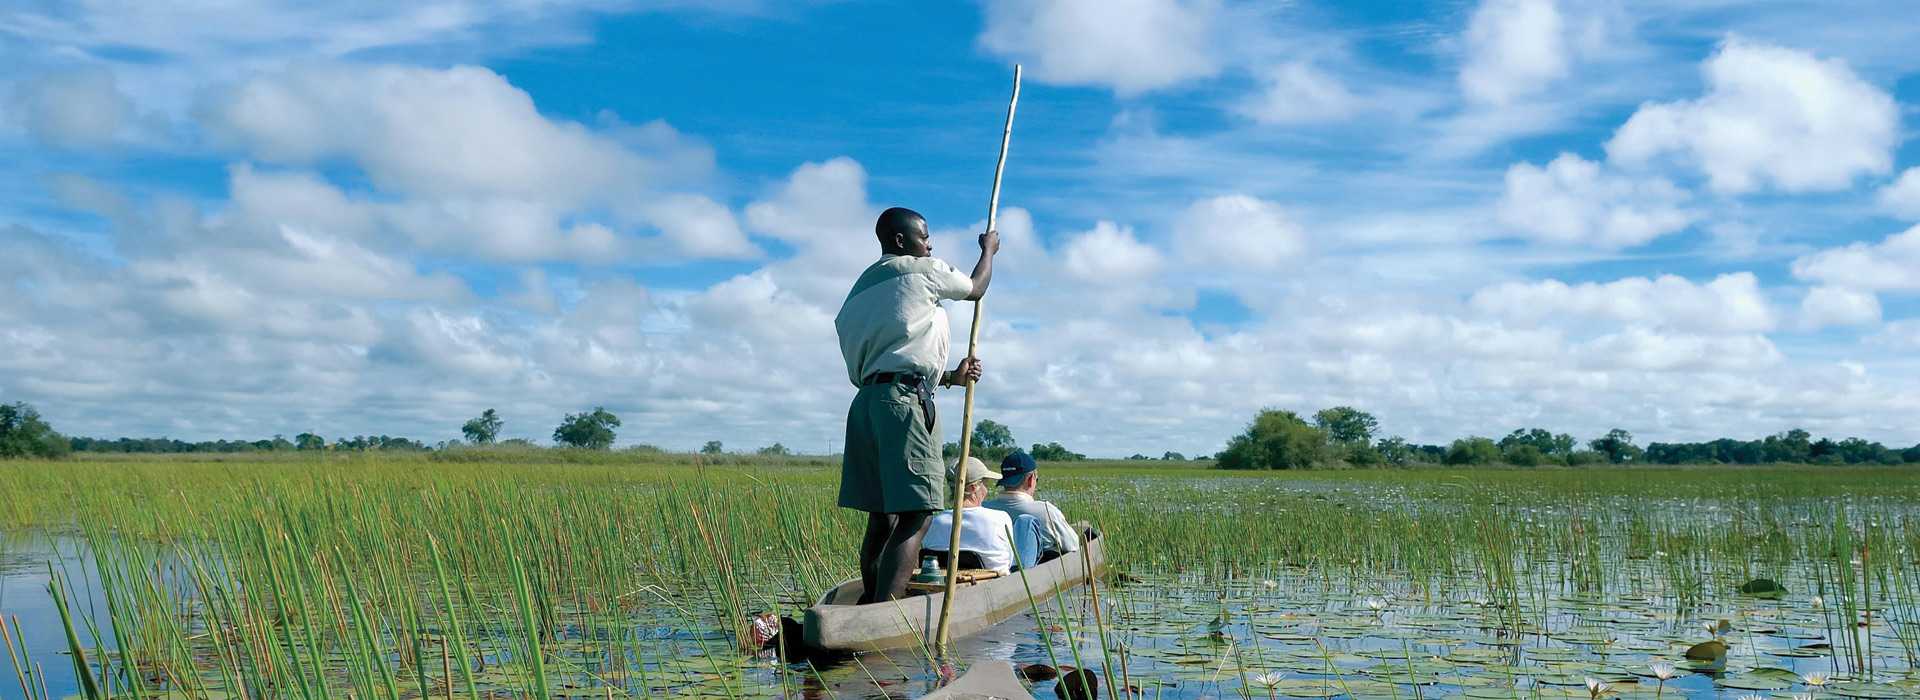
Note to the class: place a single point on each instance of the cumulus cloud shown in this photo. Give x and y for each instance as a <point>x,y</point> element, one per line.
<point>1637,348</point>
<point>1892,264</point>
<point>1771,116</point>
<point>77,108</point>
<point>1109,254</point>
<point>1838,306</point>
<point>1237,231</point>
<point>1131,46</point>
<point>1902,197</point>
<point>1514,48</point>
<point>1731,303</point>
<point>463,131</point>
<point>1576,201</point>
<point>1298,93</point>
<point>818,201</point>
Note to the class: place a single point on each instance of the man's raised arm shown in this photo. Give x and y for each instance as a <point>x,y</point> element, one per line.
<point>983,270</point>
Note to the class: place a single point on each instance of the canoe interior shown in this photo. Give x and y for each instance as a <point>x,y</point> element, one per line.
<point>835,622</point>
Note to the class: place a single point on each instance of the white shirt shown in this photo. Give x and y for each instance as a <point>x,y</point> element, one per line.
<point>1056,534</point>
<point>984,531</point>
<point>892,320</point>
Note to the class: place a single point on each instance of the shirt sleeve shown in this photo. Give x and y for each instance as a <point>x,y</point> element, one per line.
<point>1062,530</point>
<point>948,282</point>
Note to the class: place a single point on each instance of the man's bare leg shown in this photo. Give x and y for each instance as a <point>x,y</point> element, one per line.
<point>879,529</point>
<point>900,555</point>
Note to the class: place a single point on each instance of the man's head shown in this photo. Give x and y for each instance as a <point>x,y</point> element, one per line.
<point>903,231</point>
<point>1017,472</point>
<point>976,478</point>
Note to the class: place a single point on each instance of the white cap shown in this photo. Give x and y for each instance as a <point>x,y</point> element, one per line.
<point>976,470</point>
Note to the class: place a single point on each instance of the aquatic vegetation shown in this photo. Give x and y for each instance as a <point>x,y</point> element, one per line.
<point>597,575</point>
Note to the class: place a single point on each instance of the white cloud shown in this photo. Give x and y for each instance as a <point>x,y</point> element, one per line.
<point>1514,48</point>
<point>1575,201</point>
<point>1731,303</point>
<point>78,108</point>
<point>1898,335</point>
<point>701,227</point>
<point>1641,349</point>
<point>1131,46</point>
<point>1892,264</point>
<point>1237,231</point>
<point>1771,116</point>
<point>460,132</point>
<point>1902,197</point>
<point>1298,93</point>
<point>818,202</point>
<point>1838,306</point>
<point>1108,254</point>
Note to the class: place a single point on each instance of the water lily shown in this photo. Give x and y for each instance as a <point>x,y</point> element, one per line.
<point>1815,679</point>
<point>1270,583</point>
<point>1267,680</point>
<point>1376,604</point>
<point>1819,602</point>
<point>1597,687</point>
<point>1663,671</point>
<point>1750,696</point>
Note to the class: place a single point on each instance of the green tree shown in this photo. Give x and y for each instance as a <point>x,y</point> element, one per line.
<point>775,450</point>
<point>1054,452</point>
<point>713,447</point>
<point>1524,455</point>
<point>587,430</point>
<point>483,429</point>
<point>1617,445</point>
<point>1346,425</point>
<point>1394,450</point>
<point>1473,450</point>
<point>24,434</point>
<point>1173,457</point>
<point>1550,445</point>
<point>309,441</point>
<point>1275,439</point>
<point>992,441</point>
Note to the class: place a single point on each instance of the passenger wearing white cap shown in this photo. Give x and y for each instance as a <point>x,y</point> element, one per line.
<point>985,533</point>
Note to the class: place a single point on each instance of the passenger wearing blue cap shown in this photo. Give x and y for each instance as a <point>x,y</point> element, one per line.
<point>1018,480</point>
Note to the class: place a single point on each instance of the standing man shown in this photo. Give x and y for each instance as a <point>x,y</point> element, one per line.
<point>893,336</point>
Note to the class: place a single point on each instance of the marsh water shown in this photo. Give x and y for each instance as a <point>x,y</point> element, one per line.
<point>1280,632</point>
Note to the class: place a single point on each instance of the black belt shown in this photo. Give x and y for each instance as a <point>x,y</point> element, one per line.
<point>907,378</point>
<point>921,387</point>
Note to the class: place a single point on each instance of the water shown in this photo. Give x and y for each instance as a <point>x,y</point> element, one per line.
<point>23,595</point>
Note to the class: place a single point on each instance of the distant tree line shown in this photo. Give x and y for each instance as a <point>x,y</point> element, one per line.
<point>1344,436</point>
<point>993,441</point>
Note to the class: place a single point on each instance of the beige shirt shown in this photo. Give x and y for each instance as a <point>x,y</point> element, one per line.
<point>1056,534</point>
<point>892,320</point>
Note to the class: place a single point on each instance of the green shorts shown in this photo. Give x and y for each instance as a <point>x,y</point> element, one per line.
<point>893,461</point>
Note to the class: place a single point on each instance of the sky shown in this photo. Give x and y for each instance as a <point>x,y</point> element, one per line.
<point>1687,219</point>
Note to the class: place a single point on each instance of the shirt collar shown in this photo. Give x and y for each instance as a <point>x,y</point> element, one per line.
<point>1016,495</point>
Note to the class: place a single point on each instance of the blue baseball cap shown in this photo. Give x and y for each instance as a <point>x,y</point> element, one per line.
<point>1015,469</point>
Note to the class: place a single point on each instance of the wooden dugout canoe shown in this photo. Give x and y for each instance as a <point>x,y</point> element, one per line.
<point>836,623</point>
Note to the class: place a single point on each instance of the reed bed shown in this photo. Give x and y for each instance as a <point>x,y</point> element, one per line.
<point>592,575</point>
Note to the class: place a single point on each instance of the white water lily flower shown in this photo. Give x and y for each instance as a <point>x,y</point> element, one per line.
<point>1376,604</point>
<point>1750,696</point>
<point>1661,670</point>
<point>1597,687</point>
<point>1815,679</point>
<point>1819,602</point>
<point>1270,583</point>
<point>1267,680</point>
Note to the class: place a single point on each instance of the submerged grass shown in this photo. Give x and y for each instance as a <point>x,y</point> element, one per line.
<point>592,575</point>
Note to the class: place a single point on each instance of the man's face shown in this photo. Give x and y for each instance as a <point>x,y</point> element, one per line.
<point>915,241</point>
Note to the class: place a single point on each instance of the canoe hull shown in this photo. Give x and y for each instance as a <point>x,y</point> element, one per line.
<point>836,623</point>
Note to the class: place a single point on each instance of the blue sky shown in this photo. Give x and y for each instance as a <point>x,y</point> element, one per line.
<point>1687,219</point>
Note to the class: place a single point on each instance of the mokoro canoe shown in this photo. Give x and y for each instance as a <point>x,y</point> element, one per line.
<point>988,680</point>
<point>836,623</point>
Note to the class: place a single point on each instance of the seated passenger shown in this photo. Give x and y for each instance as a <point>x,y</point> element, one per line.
<point>984,533</point>
<point>1018,480</point>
